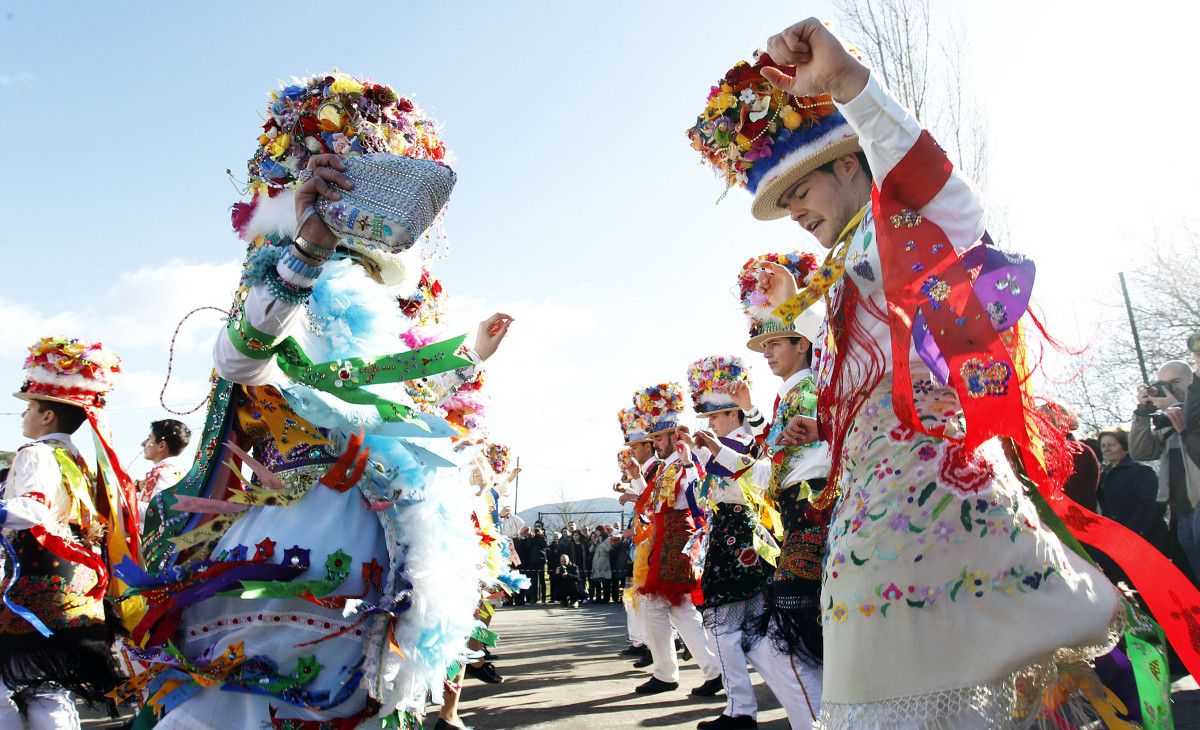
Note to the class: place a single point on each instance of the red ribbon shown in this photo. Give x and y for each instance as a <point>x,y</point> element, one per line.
<point>923,271</point>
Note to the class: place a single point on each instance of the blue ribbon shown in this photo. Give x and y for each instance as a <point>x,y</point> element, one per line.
<point>12,605</point>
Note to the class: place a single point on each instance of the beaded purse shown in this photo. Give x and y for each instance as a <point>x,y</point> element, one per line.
<point>394,200</point>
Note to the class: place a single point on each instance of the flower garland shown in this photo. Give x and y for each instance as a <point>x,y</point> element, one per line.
<point>748,123</point>
<point>337,113</point>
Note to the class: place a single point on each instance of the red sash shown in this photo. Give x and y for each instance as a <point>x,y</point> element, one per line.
<point>921,270</point>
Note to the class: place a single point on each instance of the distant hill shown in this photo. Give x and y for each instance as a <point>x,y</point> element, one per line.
<point>577,510</point>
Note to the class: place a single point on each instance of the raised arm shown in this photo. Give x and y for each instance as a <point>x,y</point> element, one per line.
<point>886,130</point>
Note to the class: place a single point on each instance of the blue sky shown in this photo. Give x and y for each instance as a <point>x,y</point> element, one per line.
<point>580,208</point>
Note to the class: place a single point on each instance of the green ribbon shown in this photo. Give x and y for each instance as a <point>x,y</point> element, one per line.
<point>1152,675</point>
<point>347,379</point>
<point>337,568</point>
<point>485,636</point>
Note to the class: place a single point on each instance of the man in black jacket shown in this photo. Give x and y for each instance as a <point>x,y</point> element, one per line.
<point>536,547</point>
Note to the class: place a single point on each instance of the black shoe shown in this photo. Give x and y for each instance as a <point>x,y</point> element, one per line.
<point>487,673</point>
<point>645,660</point>
<point>632,650</point>
<point>687,654</point>
<point>679,645</point>
<point>725,722</point>
<point>709,688</point>
<point>443,725</point>
<point>655,685</point>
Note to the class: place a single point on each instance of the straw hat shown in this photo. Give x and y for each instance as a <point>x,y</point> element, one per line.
<point>765,140</point>
<point>763,323</point>
<point>660,406</point>
<point>711,379</point>
<point>74,372</point>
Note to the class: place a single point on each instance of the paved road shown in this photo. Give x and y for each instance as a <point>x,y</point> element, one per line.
<point>563,672</point>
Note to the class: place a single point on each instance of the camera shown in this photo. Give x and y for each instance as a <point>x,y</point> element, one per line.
<point>1160,421</point>
<point>1158,389</point>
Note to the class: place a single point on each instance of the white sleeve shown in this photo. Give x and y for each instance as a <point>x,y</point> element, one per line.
<point>886,132</point>
<point>264,312</point>
<point>35,470</point>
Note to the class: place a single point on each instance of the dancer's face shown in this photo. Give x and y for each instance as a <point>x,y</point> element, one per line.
<point>786,356</point>
<point>725,422</point>
<point>664,443</point>
<point>825,200</point>
<point>641,451</point>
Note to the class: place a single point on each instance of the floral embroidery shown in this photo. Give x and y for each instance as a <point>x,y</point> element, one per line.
<point>986,379</point>
<point>966,474</point>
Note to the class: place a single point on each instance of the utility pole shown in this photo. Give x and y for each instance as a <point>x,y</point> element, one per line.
<point>1137,342</point>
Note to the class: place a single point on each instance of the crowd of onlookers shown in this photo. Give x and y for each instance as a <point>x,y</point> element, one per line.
<point>1146,475</point>
<point>572,565</point>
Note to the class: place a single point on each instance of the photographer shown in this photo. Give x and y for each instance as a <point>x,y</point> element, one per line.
<point>1157,433</point>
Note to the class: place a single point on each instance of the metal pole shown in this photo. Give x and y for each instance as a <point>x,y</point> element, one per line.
<point>517,487</point>
<point>1137,342</point>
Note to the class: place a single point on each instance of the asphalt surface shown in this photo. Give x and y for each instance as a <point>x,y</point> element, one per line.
<point>562,670</point>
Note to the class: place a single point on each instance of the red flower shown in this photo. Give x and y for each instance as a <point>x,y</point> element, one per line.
<point>901,432</point>
<point>748,557</point>
<point>966,473</point>
<point>404,105</point>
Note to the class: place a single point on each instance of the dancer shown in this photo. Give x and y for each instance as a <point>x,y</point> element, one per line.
<point>635,462</point>
<point>55,641</point>
<point>740,551</point>
<point>671,589</point>
<point>946,596</point>
<point>340,585</point>
<point>167,440</point>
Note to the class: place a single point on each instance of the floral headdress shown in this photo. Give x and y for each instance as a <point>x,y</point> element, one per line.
<point>69,371</point>
<point>751,134</point>
<point>711,380</point>
<point>327,113</point>
<point>340,114</point>
<point>497,456</point>
<point>764,323</point>
<point>660,406</point>
<point>633,426</point>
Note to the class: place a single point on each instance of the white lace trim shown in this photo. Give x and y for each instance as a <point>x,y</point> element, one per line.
<point>1028,698</point>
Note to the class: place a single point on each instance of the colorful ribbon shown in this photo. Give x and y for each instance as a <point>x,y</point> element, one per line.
<point>12,605</point>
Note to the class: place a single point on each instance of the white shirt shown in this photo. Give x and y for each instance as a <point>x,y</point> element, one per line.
<point>724,489</point>
<point>36,470</point>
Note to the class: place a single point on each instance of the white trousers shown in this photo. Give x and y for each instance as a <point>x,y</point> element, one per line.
<point>633,624</point>
<point>798,691</point>
<point>51,710</point>
<point>658,618</point>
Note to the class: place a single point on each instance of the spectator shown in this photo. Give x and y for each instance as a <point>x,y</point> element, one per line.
<point>521,548</point>
<point>619,559</point>
<point>1131,490</point>
<point>581,556</point>
<point>598,590</point>
<point>1081,486</point>
<point>568,580</point>
<point>1156,434</point>
<point>537,564</point>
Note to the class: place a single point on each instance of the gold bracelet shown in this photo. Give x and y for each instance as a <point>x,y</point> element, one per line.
<point>319,254</point>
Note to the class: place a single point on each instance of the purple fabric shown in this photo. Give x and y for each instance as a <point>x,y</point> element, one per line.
<point>1003,287</point>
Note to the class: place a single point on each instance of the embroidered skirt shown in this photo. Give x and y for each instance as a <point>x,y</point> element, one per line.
<point>943,593</point>
<point>790,614</point>
<point>78,656</point>
<point>732,569</point>
<point>669,573</point>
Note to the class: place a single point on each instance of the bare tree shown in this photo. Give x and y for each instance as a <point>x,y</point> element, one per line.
<point>1164,291</point>
<point>925,63</point>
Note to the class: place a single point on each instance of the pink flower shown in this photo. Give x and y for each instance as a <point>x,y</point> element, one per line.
<point>893,592</point>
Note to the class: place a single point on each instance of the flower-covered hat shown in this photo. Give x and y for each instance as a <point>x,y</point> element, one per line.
<point>497,456</point>
<point>633,425</point>
<point>763,139</point>
<point>69,371</point>
<point>711,379</point>
<point>660,406</point>
<point>370,125</point>
<point>760,314</point>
